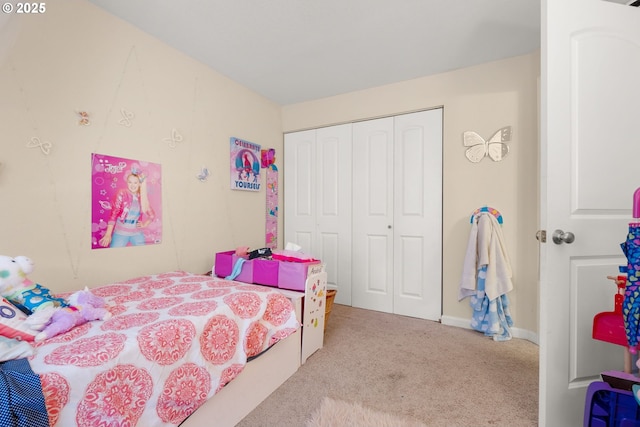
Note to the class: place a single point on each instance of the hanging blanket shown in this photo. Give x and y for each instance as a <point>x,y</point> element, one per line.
<point>492,317</point>
<point>21,399</point>
<point>486,278</point>
<point>486,246</point>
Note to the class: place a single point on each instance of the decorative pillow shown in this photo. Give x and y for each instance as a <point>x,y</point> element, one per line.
<point>12,322</point>
<point>11,348</point>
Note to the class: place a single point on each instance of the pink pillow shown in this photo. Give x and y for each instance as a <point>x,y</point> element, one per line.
<point>12,322</point>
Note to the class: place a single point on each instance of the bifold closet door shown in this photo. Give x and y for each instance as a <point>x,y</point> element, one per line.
<point>372,230</point>
<point>417,208</point>
<point>366,198</point>
<point>299,189</point>
<point>397,214</point>
<point>317,194</point>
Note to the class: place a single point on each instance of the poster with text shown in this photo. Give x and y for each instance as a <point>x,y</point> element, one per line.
<point>126,202</point>
<point>245,165</point>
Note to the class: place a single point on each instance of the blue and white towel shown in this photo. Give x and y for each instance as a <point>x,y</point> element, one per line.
<point>492,317</point>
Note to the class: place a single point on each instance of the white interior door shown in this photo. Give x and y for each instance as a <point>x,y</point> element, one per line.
<point>589,148</point>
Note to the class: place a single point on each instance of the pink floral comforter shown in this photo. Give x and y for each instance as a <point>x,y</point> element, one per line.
<point>174,340</point>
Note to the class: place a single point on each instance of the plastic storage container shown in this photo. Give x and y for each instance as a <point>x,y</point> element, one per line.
<point>606,406</point>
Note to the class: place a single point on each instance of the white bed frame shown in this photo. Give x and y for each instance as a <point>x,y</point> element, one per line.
<point>263,375</point>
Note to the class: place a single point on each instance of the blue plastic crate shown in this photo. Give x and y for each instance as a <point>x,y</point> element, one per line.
<point>609,407</point>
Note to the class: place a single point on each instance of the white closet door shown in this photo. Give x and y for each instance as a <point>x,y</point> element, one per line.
<point>333,207</point>
<point>372,230</point>
<point>317,193</point>
<point>417,214</point>
<point>397,214</point>
<point>299,188</point>
<point>366,198</point>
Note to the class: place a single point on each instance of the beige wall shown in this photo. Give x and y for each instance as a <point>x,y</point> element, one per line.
<point>482,98</point>
<point>77,57</point>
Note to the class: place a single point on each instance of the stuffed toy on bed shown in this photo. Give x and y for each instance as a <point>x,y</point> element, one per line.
<point>16,287</point>
<point>83,307</point>
<point>16,321</point>
<point>49,315</point>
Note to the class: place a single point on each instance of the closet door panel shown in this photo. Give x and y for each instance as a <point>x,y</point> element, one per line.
<point>333,207</point>
<point>330,250</point>
<point>328,175</point>
<point>411,268</point>
<point>374,282</point>
<point>317,200</point>
<point>299,191</point>
<point>372,227</point>
<point>379,193</point>
<point>412,153</point>
<point>418,214</point>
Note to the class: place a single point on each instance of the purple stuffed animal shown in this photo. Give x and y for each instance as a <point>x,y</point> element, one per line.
<point>84,307</point>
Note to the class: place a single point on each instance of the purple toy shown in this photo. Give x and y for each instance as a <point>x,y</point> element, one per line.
<point>84,307</point>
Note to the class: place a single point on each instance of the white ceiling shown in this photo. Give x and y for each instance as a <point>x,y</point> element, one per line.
<point>297,50</point>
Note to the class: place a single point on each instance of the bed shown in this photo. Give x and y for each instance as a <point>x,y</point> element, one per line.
<point>181,349</point>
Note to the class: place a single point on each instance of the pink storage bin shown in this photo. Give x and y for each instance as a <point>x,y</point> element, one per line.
<point>225,261</point>
<point>293,275</point>
<point>265,271</point>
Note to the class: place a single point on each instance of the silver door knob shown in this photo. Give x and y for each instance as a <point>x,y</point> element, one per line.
<point>560,237</point>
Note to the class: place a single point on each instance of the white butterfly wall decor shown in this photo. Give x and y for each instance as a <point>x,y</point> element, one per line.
<point>495,147</point>
<point>203,175</point>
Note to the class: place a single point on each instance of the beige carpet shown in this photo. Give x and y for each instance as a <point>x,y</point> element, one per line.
<point>336,413</point>
<point>418,369</point>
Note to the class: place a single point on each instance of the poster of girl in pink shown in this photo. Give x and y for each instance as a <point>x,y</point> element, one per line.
<point>126,204</point>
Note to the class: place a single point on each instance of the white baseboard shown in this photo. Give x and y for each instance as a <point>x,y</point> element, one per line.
<point>465,323</point>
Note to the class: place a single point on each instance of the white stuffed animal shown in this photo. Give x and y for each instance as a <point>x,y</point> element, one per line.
<point>16,287</point>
